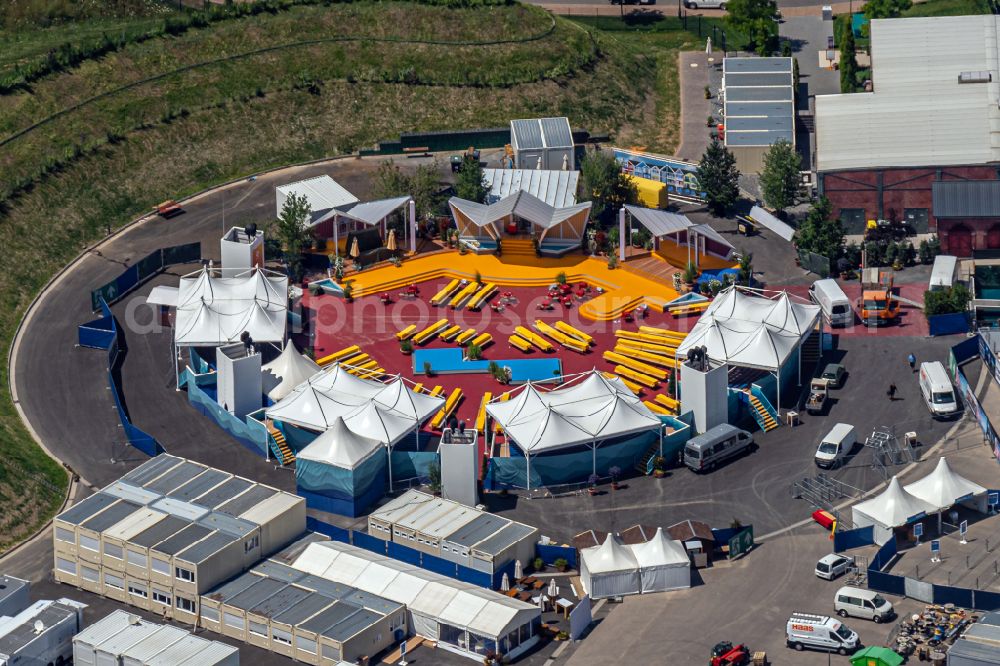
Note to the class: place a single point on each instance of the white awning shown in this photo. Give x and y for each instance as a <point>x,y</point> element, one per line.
<point>523,205</point>
<point>372,212</point>
<point>324,195</point>
<point>708,232</point>
<point>289,370</point>
<point>163,295</point>
<point>943,487</point>
<point>214,310</point>
<point>893,507</point>
<point>659,222</point>
<point>768,221</point>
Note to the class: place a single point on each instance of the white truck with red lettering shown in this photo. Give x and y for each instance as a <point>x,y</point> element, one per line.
<point>820,632</point>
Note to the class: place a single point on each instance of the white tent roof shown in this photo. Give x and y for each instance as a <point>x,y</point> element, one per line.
<point>163,295</point>
<point>556,188</point>
<point>214,310</point>
<point>745,328</point>
<point>943,487</point>
<point>592,409</point>
<point>323,193</point>
<point>894,507</point>
<point>289,370</point>
<point>340,446</point>
<point>522,204</point>
<point>380,423</point>
<point>608,557</point>
<point>659,222</point>
<point>372,212</point>
<point>460,604</point>
<point>660,551</point>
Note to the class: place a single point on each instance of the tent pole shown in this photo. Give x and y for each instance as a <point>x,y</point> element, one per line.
<point>593,457</point>
<point>527,459</point>
<point>388,451</point>
<point>177,372</point>
<point>413,225</point>
<point>939,522</point>
<point>336,241</point>
<point>777,377</point>
<point>621,233</point>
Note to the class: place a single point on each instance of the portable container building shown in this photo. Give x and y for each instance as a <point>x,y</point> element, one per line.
<point>125,639</point>
<point>41,633</point>
<point>14,595</point>
<point>141,653</point>
<point>543,143</point>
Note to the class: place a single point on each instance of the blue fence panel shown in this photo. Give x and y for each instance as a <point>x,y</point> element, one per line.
<point>862,536</point>
<point>888,583</point>
<point>948,324</point>
<point>142,270</point>
<point>237,428</point>
<point>550,554</point>
<point>332,531</point>
<point>480,578</point>
<point>368,542</point>
<point>439,565</point>
<point>966,349</point>
<point>945,594</point>
<point>404,553</point>
<point>884,556</point>
<point>986,601</point>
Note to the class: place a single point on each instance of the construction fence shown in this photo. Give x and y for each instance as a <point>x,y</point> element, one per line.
<point>142,270</point>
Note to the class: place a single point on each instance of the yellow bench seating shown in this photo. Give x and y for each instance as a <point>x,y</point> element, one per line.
<point>645,346</point>
<point>355,360</point>
<point>429,332</point>
<point>503,398</point>
<point>449,406</point>
<point>482,340</point>
<point>534,338</point>
<point>622,334</point>
<point>573,332</point>
<point>438,390</point>
<point>561,338</point>
<point>481,416</point>
<point>463,294</point>
<point>519,342</point>
<point>655,408</point>
<point>407,332</point>
<point>360,367</point>
<point>450,332</point>
<point>655,359</point>
<point>638,366</point>
<point>480,297</point>
<point>445,293</point>
<point>635,375</point>
<point>337,355</point>
<point>668,402</point>
<point>465,336</point>
<point>663,332</point>
<point>677,311</point>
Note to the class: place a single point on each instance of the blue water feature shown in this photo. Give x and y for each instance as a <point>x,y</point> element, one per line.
<point>450,361</point>
<point>330,287</point>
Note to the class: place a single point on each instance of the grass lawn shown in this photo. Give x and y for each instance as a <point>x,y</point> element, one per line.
<point>108,160</point>
<point>948,8</point>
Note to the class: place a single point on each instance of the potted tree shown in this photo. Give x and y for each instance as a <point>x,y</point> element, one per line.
<point>592,484</point>
<point>348,293</point>
<point>428,370</point>
<point>659,467</point>
<point>561,563</point>
<point>690,275</point>
<point>538,564</point>
<point>614,473</point>
<point>406,346</point>
<point>474,352</point>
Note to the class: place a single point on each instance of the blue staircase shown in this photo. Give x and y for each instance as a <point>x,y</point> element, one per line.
<point>763,412</point>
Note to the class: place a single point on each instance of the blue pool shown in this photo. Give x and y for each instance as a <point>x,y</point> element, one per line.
<point>330,287</point>
<point>450,362</point>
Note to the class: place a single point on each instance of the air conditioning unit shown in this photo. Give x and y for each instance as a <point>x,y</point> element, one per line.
<point>975,77</point>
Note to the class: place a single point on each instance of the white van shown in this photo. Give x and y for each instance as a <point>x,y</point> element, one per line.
<point>819,632</point>
<point>939,394</point>
<point>833,301</point>
<point>943,272</point>
<point>836,446</point>
<point>866,604</point>
<point>705,4</point>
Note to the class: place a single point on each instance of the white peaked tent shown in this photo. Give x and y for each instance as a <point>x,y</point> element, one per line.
<point>663,563</point>
<point>609,570</point>
<point>341,447</point>
<point>289,370</point>
<point>943,487</point>
<point>893,507</point>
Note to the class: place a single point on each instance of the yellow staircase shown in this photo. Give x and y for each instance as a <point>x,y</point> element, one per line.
<point>287,456</point>
<point>517,247</point>
<point>764,418</point>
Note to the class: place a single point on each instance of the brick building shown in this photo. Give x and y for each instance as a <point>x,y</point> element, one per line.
<point>924,147</point>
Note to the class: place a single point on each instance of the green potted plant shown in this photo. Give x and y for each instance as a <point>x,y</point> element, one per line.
<point>474,352</point>
<point>690,274</point>
<point>348,292</point>
<point>708,93</point>
<point>478,277</point>
<point>561,277</point>
<point>710,122</point>
<point>561,563</point>
<point>562,636</point>
<point>406,346</point>
<point>434,478</point>
<point>428,370</point>
<point>612,259</point>
<point>659,467</point>
<point>538,564</point>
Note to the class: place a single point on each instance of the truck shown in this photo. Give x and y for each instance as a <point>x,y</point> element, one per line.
<point>878,304</point>
<point>727,654</point>
<point>819,391</point>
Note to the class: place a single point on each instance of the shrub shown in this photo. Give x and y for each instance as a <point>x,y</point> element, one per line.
<point>690,273</point>
<point>538,563</point>
<point>406,346</point>
<point>561,563</point>
<point>561,277</point>
<point>428,370</point>
<point>474,352</point>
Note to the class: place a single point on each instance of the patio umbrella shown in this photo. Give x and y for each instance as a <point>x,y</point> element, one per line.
<point>708,46</point>
<point>355,250</point>
<point>553,590</point>
<point>390,242</point>
<point>505,583</point>
<point>565,163</point>
<point>518,570</point>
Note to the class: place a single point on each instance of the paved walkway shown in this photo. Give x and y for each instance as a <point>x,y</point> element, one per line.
<point>694,76</point>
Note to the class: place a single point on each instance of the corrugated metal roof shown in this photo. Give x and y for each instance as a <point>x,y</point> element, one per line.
<point>505,538</point>
<point>151,469</point>
<point>303,610</point>
<point>255,594</point>
<point>207,547</point>
<point>186,648</point>
<point>247,500</point>
<point>758,138</point>
<point>972,650</point>
<point>556,188</point>
<point>224,493</point>
<point>918,115</point>
<point>352,625</point>
<point>213,653</point>
<point>161,531</point>
<point>322,193</point>
<point>127,637</point>
<point>759,101</point>
<point>526,134</point>
<point>280,601</point>
<point>175,477</point>
<point>484,526</point>
<point>87,508</point>
<point>183,539</point>
<point>326,587</point>
<point>659,222</point>
<point>201,484</point>
<point>227,524</point>
<point>372,602</point>
<point>107,627</point>
<point>135,523</point>
<point>556,132</point>
<point>20,631</point>
<point>155,643</point>
<point>111,516</point>
<point>179,508</point>
<point>271,508</point>
<point>759,79</point>
<point>966,198</point>
<point>233,587</point>
<point>750,64</point>
<point>329,617</point>
<point>132,493</point>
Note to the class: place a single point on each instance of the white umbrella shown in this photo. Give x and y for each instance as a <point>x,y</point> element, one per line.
<point>541,602</point>
<point>708,46</point>
<point>518,570</point>
<point>553,590</point>
<point>565,163</point>
<point>539,166</point>
<point>505,583</point>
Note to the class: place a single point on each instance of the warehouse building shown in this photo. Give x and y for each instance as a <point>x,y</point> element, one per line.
<point>128,640</point>
<point>759,107</point>
<point>169,531</point>
<point>453,531</point>
<point>923,148</point>
<point>39,633</point>
<point>459,617</point>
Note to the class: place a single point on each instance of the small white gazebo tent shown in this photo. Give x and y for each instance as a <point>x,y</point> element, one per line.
<point>609,570</point>
<point>289,370</point>
<point>340,446</point>
<point>893,507</point>
<point>944,488</point>
<point>663,564</point>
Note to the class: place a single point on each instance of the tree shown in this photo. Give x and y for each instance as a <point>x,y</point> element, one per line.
<point>878,9</point>
<point>820,234</point>
<point>756,20</point>
<point>746,269</point>
<point>848,63</point>
<point>719,178</point>
<point>471,185</point>
<point>606,186</point>
<point>290,228</point>
<point>390,181</point>
<point>780,179</point>
<point>424,185</point>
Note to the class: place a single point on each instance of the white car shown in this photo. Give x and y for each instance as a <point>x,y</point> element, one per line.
<point>833,565</point>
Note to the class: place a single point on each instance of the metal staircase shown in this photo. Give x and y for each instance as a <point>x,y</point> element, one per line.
<point>763,413</point>
<point>279,447</point>
<point>642,463</point>
<point>812,352</point>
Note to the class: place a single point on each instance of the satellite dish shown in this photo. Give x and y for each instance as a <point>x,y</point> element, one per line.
<point>39,626</point>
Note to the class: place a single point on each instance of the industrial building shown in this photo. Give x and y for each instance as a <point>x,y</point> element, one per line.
<point>452,531</point>
<point>759,107</point>
<point>38,633</point>
<point>922,148</point>
<point>126,639</point>
<point>169,531</point>
<point>460,617</point>
<point>543,143</point>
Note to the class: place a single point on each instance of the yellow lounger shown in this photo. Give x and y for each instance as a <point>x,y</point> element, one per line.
<point>465,336</point>
<point>355,360</point>
<point>503,398</point>
<point>450,332</point>
<point>663,350</point>
<point>561,338</point>
<point>632,386</point>
<point>418,388</point>
<point>664,332</point>
<point>429,332</point>
<point>655,408</point>
<point>655,359</point>
<point>336,356</point>
<point>361,367</point>
<point>482,340</point>
<point>443,295</point>
<point>407,332</point>
<point>374,373</point>
<point>667,402</point>
<point>449,406</point>
<point>534,338</point>
<point>622,334</point>
<point>573,332</point>
<point>694,308</point>
<point>464,294</point>
<point>481,296</point>
<point>481,416</point>
<point>645,380</point>
<point>519,342</point>
<point>438,390</point>
<point>638,366</point>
